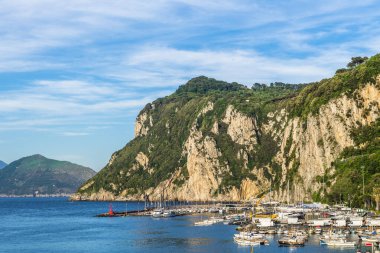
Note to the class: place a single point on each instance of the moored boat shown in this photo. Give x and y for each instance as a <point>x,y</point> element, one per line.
<point>204,223</point>
<point>245,242</point>
<point>340,243</point>
<point>168,213</point>
<point>248,238</point>
<point>157,213</point>
<point>292,241</point>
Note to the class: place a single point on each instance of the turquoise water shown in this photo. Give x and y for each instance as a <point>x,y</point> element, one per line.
<point>51,225</point>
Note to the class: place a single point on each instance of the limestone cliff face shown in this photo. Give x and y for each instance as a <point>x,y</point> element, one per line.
<point>143,123</point>
<point>203,167</point>
<point>241,128</point>
<point>313,145</point>
<point>303,149</point>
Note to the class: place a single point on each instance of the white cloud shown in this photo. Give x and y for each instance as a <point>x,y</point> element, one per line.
<point>237,65</point>
<point>75,134</point>
<point>67,103</point>
<point>80,67</point>
<point>32,28</point>
<point>85,90</point>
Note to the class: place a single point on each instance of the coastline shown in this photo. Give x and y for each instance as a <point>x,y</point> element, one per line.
<point>36,196</point>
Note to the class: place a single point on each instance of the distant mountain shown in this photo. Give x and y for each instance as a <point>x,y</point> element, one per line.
<point>38,173</point>
<point>2,164</point>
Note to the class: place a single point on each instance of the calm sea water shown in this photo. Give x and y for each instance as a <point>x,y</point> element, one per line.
<point>39,225</point>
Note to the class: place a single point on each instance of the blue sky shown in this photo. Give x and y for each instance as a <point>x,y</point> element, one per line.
<point>74,74</point>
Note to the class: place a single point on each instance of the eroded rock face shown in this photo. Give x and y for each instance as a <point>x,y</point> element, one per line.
<point>101,195</point>
<point>241,128</point>
<point>143,123</point>
<point>247,192</point>
<point>203,167</point>
<point>141,161</point>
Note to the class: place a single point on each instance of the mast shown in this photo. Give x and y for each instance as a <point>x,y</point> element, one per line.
<point>363,188</point>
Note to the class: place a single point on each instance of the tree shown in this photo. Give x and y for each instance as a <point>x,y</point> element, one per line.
<point>355,61</point>
<point>376,197</point>
<point>342,70</point>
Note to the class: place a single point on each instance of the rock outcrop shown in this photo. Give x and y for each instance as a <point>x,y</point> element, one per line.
<point>220,152</point>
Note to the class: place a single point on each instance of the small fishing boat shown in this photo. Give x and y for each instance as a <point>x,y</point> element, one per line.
<point>372,239</point>
<point>168,214</point>
<point>249,235</point>
<point>340,243</point>
<point>249,238</point>
<point>157,213</point>
<point>204,223</point>
<point>263,232</point>
<point>292,241</point>
<point>244,242</point>
<point>331,237</point>
<point>216,220</point>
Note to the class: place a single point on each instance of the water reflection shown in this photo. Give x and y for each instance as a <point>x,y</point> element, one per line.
<point>169,242</point>
<point>67,227</point>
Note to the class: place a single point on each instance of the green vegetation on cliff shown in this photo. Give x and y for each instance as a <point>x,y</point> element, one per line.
<point>314,95</point>
<point>173,117</point>
<point>168,122</point>
<point>356,164</point>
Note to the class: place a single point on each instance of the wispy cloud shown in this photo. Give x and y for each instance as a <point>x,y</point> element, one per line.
<point>246,66</point>
<point>77,67</point>
<point>48,103</point>
<point>75,134</point>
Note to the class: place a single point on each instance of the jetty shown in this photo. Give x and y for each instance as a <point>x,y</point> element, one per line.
<point>112,213</point>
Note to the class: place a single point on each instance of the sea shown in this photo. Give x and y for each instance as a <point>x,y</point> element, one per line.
<point>57,225</point>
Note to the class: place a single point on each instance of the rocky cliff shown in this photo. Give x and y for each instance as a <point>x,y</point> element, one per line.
<point>216,140</point>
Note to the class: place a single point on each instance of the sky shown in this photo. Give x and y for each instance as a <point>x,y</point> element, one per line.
<point>74,74</point>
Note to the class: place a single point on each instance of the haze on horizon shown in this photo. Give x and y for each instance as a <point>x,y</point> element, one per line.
<point>74,74</point>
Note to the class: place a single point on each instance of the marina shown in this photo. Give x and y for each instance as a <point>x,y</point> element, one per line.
<point>74,225</point>
<point>337,226</point>
<point>190,126</point>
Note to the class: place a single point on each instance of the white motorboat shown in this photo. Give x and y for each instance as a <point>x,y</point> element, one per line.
<point>168,213</point>
<point>157,213</point>
<point>248,238</point>
<point>249,235</point>
<point>292,241</point>
<point>340,243</point>
<point>204,223</point>
<point>246,242</point>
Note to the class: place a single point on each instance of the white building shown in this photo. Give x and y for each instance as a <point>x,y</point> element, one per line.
<point>356,222</point>
<point>320,222</point>
<point>373,222</point>
<point>265,222</point>
<point>293,221</point>
<point>340,223</point>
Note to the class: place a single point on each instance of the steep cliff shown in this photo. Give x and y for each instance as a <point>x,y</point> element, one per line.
<point>218,140</point>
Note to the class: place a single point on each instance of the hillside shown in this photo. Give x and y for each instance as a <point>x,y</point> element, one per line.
<point>218,140</point>
<point>47,176</point>
<point>2,164</point>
